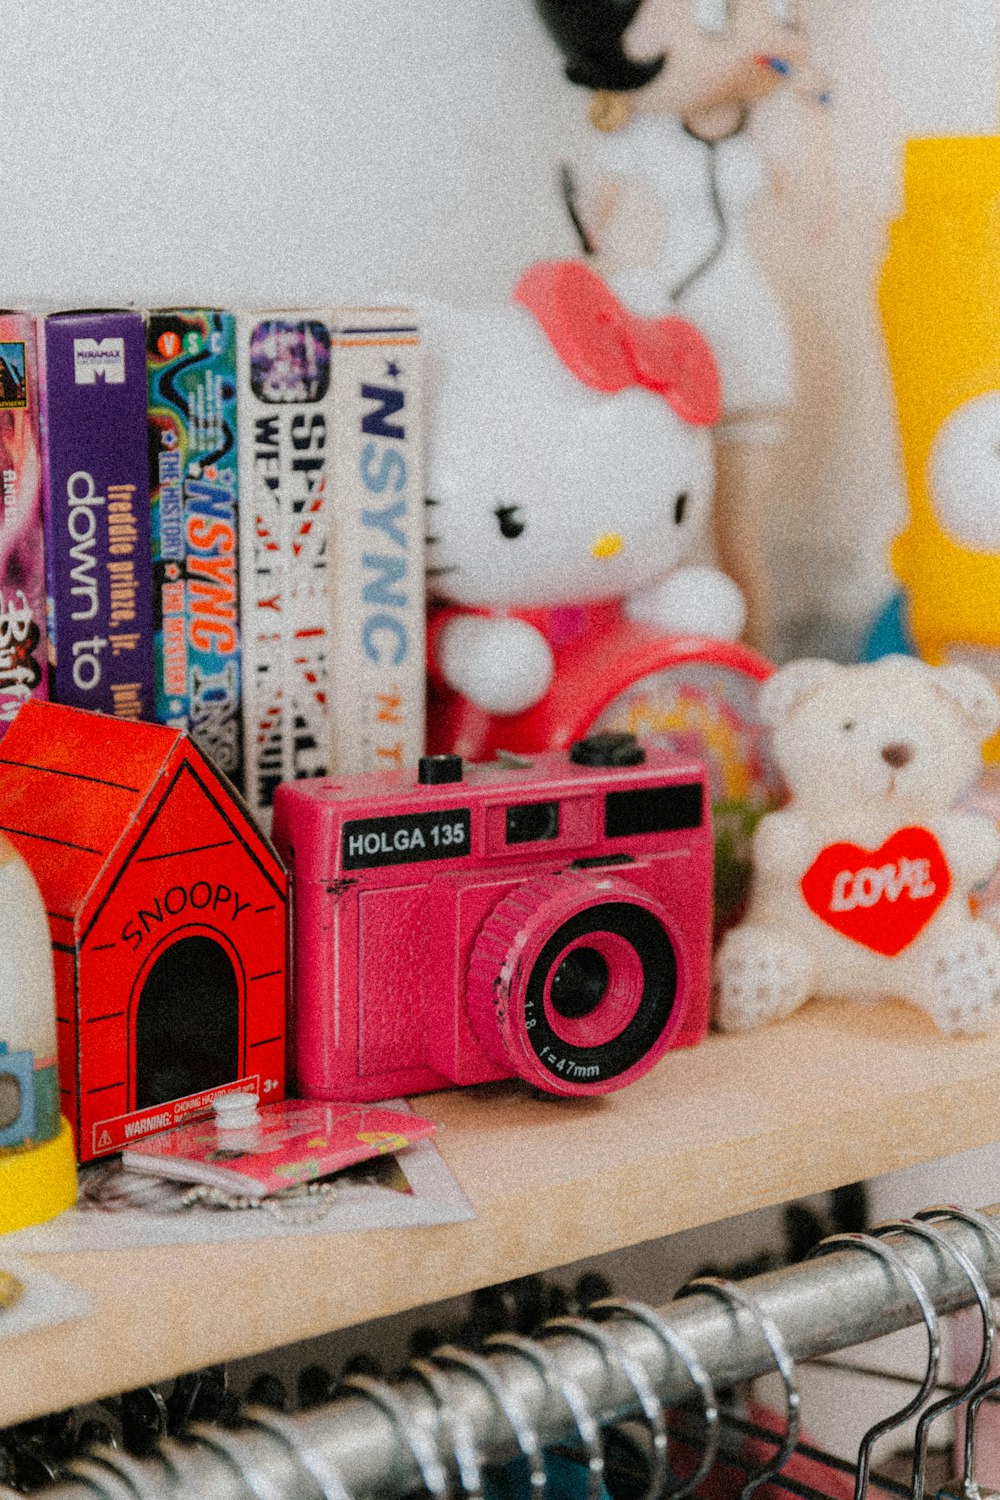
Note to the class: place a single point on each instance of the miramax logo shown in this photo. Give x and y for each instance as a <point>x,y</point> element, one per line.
<point>95,359</point>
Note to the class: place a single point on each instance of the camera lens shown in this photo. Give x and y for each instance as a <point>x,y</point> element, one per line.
<point>576,983</point>
<point>579,984</point>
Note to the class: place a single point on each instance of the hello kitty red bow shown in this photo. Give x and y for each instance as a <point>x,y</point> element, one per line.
<point>609,348</point>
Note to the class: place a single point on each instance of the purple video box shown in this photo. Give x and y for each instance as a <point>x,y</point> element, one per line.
<point>98,559</point>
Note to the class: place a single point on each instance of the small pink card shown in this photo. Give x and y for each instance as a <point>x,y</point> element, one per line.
<point>268,1149</point>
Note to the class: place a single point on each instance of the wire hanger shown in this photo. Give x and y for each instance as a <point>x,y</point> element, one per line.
<point>292,1434</point>
<point>956,1398</point>
<point>736,1296</point>
<point>616,1358</point>
<point>874,1246</point>
<point>382,1395</point>
<point>675,1345</point>
<point>509,1406</point>
<point>573,1398</point>
<point>452,1421</point>
<point>265,1469</point>
<point>966,1485</point>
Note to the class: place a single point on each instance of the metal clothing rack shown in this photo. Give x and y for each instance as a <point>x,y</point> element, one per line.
<point>382,1440</point>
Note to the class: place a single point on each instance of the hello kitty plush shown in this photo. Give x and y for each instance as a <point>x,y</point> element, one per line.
<point>569,471</point>
<point>862,882</point>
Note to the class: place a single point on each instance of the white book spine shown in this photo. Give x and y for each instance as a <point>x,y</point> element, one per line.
<point>378,671</point>
<point>286,426</point>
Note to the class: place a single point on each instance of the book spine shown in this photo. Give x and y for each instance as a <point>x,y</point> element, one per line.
<point>285,472</point>
<point>378,669</point>
<point>93,388</point>
<point>193,492</point>
<point>23,633</point>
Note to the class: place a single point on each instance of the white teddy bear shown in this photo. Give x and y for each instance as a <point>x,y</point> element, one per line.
<point>861,883</point>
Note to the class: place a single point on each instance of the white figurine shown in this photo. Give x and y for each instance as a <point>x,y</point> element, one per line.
<point>861,883</point>
<point>29,1084</point>
<point>661,202</point>
<point>569,466</point>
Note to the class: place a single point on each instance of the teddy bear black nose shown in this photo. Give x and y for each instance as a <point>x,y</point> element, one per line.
<point>898,754</point>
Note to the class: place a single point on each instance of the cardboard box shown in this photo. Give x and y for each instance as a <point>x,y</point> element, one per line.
<point>167,913</point>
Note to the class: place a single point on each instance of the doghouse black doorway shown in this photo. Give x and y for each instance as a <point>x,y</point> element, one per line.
<point>187,1029</point>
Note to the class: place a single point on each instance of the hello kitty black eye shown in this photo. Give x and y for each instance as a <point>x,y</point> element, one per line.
<point>847,724</point>
<point>509,518</point>
<point>680,506</point>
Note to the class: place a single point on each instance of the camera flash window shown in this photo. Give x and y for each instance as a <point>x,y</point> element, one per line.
<point>653,809</point>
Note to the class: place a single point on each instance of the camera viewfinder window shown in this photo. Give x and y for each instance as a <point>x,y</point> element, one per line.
<point>654,809</point>
<point>529,822</point>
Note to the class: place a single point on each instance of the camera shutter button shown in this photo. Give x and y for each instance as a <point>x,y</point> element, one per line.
<point>436,770</point>
<point>609,748</point>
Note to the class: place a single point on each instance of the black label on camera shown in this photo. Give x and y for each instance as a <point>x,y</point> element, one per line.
<point>406,839</point>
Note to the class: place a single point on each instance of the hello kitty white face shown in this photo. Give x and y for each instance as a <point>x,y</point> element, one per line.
<point>542,491</point>
<point>964,474</point>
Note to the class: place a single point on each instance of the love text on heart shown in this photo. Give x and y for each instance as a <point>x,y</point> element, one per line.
<point>869,885</point>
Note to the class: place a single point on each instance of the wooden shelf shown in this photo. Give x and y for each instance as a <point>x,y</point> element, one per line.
<point>830,1096</point>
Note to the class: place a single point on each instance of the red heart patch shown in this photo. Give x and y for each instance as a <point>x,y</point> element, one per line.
<point>881,898</point>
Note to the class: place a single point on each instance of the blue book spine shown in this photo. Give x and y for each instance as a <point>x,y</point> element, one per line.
<point>193,484</point>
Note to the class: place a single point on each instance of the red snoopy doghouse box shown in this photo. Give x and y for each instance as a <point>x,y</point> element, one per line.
<point>167,910</point>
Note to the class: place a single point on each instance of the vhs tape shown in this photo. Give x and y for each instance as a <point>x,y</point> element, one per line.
<point>96,499</point>
<point>286,422</point>
<point>376,566</point>
<point>193,490</point>
<point>23,635</point>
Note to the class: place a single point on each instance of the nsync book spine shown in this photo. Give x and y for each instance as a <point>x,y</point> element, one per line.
<point>286,417</point>
<point>23,634</point>
<point>93,407</point>
<point>193,492</point>
<point>377,670</point>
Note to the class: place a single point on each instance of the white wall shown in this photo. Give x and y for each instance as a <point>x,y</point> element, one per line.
<point>273,150</point>
<point>266,150</point>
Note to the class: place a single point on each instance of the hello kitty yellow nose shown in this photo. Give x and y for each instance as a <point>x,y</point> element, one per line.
<point>608,545</point>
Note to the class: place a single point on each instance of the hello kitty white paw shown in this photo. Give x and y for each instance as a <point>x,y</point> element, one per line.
<point>504,666</point>
<point>692,601</point>
<point>759,977</point>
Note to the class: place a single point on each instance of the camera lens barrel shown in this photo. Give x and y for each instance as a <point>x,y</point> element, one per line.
<point>575,983</point>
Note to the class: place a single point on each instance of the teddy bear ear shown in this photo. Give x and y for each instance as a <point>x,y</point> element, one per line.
<point>789,685</point>
<point>973,693</point>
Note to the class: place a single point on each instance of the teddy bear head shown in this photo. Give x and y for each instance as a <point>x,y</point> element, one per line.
<point>894,730</point>
<point>569,453</point>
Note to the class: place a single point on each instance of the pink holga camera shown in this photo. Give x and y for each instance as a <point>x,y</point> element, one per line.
<point>548,919</point>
